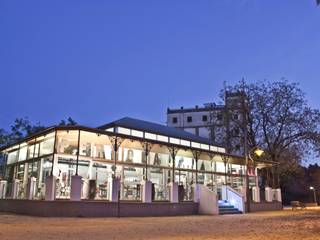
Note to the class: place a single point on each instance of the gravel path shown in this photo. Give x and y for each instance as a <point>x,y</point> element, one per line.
<point>281,225</point>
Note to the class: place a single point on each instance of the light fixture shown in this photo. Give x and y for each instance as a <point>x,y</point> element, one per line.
<point>311,188</point>
<point>259,152</point>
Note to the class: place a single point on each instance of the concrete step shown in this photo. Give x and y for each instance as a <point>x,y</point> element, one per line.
<point>228,210</point>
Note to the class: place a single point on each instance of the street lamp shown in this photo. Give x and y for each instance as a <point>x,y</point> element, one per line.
<point>314,194</point>
<point>258,152</point>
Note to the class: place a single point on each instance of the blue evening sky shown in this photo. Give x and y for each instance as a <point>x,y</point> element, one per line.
<point>100,60</point>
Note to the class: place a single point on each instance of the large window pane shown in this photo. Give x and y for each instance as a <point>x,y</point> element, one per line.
<point>33,151</point>
<point>12,157</point>
<point>220,167</point>
<point>160,188</point>
<point>185,162</point>
<point>23,153</point>
<point>46,146</point>
<point>159,159</point>
<point>95,145</point>
<point>205,165</point>
<point>64,170</point>
<point>131,178</point>
<point>185,179</point>
<point>67,142</point>
<point>132,155</point>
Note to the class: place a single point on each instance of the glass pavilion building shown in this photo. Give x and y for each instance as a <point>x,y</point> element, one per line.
<point>129,149</point>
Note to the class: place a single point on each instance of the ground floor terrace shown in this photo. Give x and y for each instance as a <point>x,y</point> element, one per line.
<point>281,225</point>
<point>131,161</point>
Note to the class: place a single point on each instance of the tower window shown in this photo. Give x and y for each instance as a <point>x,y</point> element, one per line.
<point>189,119</point>
<point>174,120</point>
<point>204,118</point>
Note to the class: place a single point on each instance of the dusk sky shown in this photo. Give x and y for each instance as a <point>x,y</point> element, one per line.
<point>97,61</point>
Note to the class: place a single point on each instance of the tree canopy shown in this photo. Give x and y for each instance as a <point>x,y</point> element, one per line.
<point>279,120</point>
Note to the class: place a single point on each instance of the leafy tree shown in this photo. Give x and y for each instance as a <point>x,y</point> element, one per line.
<point>277,118</point>
<point>22,127</point>
<point>68,122</point>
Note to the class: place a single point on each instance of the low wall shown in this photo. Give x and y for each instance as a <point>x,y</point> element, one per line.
<point>265,206</point>
<point>66,208</point>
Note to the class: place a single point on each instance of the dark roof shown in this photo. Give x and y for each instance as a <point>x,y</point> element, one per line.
<point>156,128</point>
<point>195,109</point>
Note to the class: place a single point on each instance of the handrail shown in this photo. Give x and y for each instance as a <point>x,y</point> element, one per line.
<point>233,197</point>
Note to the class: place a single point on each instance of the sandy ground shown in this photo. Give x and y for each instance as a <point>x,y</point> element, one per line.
<point>279,225</point>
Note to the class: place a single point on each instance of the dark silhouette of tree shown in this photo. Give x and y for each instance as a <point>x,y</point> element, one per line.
<point>22,127</point>
<point>298,183</point>
<point>279,120</point>
<point>68,122</point>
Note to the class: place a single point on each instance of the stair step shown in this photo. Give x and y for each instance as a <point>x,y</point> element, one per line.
<point>228,209</point>
<point>226,206</point>
<point>230,212</point>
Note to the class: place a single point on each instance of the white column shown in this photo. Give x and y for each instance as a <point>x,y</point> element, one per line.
<point>174,198</point>
<point>277,195</point>
<point>31,185</point>
<point>268,194</point>
<point>243,192</point>
<point>256,194</point>
<point>86,188</point>
<point>196,193</point>
<point>76,187</point>
<point>50,188</point>
<point>147,191</point>
<point>14,190</point>
<point>3,187</point>
<point>114,189</point>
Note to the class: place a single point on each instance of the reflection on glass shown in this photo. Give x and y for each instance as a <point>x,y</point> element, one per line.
<point>46,146</point>
<point>95,145</point>
<point>160,187</point>
<point>185,179</point>
<point>67,142</point>
<point>23,153</point>
<point>131,178</point>
<point>185,162</point>
<point>12,157</point>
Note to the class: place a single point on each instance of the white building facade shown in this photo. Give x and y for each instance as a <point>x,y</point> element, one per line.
<point>222,124</point>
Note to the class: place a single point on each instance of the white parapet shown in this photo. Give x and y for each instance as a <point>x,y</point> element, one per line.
<point>50,188</point>
<point>114,189</point>
<point>234,197</point>
<point>31,187</point>
<point>196,192</point>
<point>208,201</point>
<point>15,189</point>
<point>76,188</point>
<point>256,194</point>
<point>174,192</point>
<point>147,191</point>
<point>243,192</point>
<point>276,193</point>
<point>268,194</point>
<point>3,187</point>
<point>85,188</point>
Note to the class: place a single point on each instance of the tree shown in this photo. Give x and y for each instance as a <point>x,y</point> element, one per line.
<point>278,119</point>
<point>69,122</point>
<point>22,127</point>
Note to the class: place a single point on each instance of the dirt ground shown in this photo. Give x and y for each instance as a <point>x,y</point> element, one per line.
<point>279,225</point>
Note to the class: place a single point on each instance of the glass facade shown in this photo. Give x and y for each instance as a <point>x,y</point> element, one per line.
<point>61,151</point>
